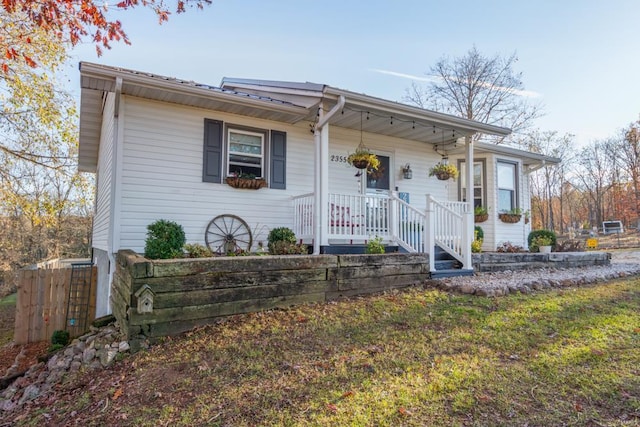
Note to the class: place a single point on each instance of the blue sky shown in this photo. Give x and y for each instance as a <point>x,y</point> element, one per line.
<point>580,56</point>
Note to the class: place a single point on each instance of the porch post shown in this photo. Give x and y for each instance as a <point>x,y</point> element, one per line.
<point>317,200</point>
<point>467,232</point>
<point>429,238</point>
<point>324,185</point>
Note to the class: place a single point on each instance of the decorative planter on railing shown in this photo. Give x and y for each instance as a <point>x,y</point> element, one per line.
<point>481,218</point>
<point>509,218</point>
<point>248,183</point>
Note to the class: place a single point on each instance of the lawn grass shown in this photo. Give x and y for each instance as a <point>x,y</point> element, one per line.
<point>413,358</point>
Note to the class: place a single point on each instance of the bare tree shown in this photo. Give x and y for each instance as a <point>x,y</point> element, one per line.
<point>595,176</point>
<point>548,184</point>
<point>485,89</point>
<point>629,157</point>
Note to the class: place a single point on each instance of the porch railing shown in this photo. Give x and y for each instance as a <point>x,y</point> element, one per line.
<point>303,216</point>
<point>411,226</point>
<point>358,218</point>
<point>447,222</point>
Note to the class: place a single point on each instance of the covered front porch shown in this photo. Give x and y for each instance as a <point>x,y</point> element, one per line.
<point>358,218</point>
<point>328,217</point>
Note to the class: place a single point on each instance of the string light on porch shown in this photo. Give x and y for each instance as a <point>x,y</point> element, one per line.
<point>394,121</point>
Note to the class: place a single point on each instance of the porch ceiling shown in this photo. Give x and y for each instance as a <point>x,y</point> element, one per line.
<point>404,121</point>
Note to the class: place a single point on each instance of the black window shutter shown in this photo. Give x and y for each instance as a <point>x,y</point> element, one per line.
<point>278,160</point>
<point>212,159</point>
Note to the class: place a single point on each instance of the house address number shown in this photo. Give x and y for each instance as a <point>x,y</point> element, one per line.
<point>338,159</point>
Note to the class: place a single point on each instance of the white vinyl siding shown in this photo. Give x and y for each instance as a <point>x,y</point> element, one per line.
<point>102,217</point>
<point>162,174</point>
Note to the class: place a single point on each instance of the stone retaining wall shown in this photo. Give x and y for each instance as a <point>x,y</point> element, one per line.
<point>494,261</point>
<point>166,297</point>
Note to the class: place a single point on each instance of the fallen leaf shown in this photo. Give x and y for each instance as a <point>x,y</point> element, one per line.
<point>578,407</point>
<point>405,412</point>
<point>332,407</point>
<point>117,394</point>
<point>347,394</point>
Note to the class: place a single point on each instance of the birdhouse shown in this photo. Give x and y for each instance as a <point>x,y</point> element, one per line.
<point>145,296</point>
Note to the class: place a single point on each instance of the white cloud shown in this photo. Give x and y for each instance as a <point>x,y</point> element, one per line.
<point>523,93</point>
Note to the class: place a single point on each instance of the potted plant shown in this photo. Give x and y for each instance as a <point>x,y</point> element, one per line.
<point>527,216</point>
<point>444,171</point>
<point>362,158</point>
<point>543,243</point>
<point>245,180</point>
<point>481,214</point>
<point>511,216</point>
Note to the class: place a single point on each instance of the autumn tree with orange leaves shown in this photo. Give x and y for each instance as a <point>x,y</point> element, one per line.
<point>70,21</point>
<point>40,188</point>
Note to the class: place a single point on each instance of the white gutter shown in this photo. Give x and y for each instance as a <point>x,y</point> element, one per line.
<point>321,156</point>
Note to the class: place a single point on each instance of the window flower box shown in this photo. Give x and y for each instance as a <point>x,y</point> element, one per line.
<point>510,218</point>
<point>246,183</point>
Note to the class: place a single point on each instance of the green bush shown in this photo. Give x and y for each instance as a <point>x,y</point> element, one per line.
<point>531,240</point>
<point>196,250</point>
<point>280,234</point>
<point>479,233</point>
<point>375,246</point>
<point>60,337</point>
<point>287,248</point>
<point>165,240</point>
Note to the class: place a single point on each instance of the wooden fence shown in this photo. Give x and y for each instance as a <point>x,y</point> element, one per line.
<point>41,308</point>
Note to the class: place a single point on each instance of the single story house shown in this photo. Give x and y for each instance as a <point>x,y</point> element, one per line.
<point>165,148</point>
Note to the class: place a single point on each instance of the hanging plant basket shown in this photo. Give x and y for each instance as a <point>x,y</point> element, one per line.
<point>443,176</point>
<point>444,171</point>
<point>246,183</point>
<point>481,217</point>
<point>360,164</point>
<point>509,218</point>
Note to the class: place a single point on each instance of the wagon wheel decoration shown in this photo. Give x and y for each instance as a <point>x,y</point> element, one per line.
<point>228,234</point>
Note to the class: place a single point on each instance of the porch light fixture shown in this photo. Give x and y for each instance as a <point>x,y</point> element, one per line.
<point>407,173</point>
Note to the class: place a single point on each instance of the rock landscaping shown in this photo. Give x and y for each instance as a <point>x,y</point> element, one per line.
<point>95,350</point>
<point>504,282</point>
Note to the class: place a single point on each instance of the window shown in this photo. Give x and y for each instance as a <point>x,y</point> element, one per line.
<point>251,151</point>
<point>507,186</point>
<point>380,179</point>
<point>478,183</point>
<point>245,153</point>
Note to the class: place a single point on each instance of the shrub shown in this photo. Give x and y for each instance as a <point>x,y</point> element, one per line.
<point>196,250</point>
<point>287,248</point>
<point>165,239</point>
<point>531,240</point>
<point>60,338</point>
<point>570,246</point>
<point>375,246</point>
<point>478,236</point>
<point>508,247</point>
<point>280,234</point>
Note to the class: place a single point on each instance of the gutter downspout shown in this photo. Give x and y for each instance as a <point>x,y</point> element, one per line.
<point>321,168</point>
